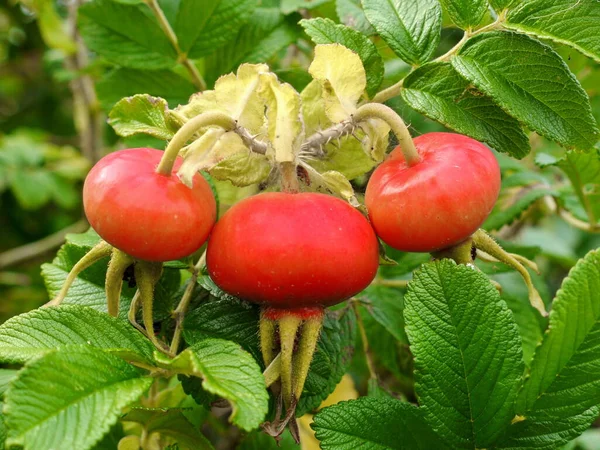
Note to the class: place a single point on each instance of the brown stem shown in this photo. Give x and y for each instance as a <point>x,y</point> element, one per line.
<point>289,178</point>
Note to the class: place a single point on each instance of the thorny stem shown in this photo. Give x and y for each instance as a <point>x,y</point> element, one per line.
<point>388,115</point>
<point>364,339</point>
<point>192,126</point>
<point>395,89</point>
<point>321,138</point>
<point>182,57</point>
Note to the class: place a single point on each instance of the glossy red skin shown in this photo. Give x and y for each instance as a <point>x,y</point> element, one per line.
<point>293,250</point>
<point>147,215</point>
<point>440,201</point>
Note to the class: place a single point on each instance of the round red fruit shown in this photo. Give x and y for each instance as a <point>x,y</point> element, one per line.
<point>438,202</point>
<point>147,215</point>
<point>292,250</point>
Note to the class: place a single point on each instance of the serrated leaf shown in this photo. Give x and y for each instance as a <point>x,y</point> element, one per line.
<point>352,15</point>
<point>529,323</point>
<point>70,399</point>
<point>465,13</point>
<point>325,31</point>
<point>228,17</point>
<point>572,22</point>
<point>467,349</point>
<point>139,45</point>
<point>265,34</point>
<point>392,424</point>
<point>284,126</point>
<point>30,335</point>
<point>169,423</point>
<point>513,202</point>
<point>6,375</point>
<point>386,305</point>
<point>141,114</point>
<point>411,29</point>
<point>583,171</point>
<point>120,83</point>
<point>229,372</point>
<point>342,77</point>
<point>564,377</point>
<point>501,5</point>
<point>522,75</point>
<point>243,168</point>
<point>440,93</point>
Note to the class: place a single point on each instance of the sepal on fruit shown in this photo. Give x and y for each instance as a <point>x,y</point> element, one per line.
<point>119,262</point>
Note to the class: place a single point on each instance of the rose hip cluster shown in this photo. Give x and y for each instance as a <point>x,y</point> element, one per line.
<point>293,253</point>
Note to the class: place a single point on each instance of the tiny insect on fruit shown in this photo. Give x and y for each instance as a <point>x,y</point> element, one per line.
<point>437,202</point>
<point>145,214</point>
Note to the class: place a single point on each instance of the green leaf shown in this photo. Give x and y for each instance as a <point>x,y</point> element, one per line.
<point>229,372</point>
<point>169,423</point>
<point>572,22</point>
<point>564,378</point>
<point>242,168</point>
<point>265,34</point>
<point>3,430</point>
<point>142,114</point>
<point>32,188</point>
<point>524,75</point>
<point>514,201</point>
<point>391,424</point>
<point>583,171</point>
<point>352,15</point>
<point>6,375</point>
<point>528,321</point>
<point>439,92</point>
<point>211,33</point>
<point>548,434</point>
<point>289,6</point>
<point>406,262</point>
<point>141,44</point>
<point>501,5</point>
<point>467,349</point>
<point>465,13</point>
<point>325,31</point>
<point>30,335</point>
<point>70,399</point>
<point>411,29</point>
<point>258,440</point>
<point>224,318</point>
<point>52,27</point>
<point>120,83</point>
<point>386,305</point>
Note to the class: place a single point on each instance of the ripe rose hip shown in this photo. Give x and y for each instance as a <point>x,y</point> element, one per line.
<point>438,202</point>
<point>147,215</point>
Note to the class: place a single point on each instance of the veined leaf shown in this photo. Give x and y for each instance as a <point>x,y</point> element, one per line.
<point>144,114</point>
<point>352,15</point>
<point>465,13</point>
<point>391,424</point>
<point>524,75</point>
<point>229,372</point>
<point>572,22</point>
<point>411,29</point>
<point>30,335</point>
<point>70,399</point>
<point>467,349</point>
<point>440,93</point>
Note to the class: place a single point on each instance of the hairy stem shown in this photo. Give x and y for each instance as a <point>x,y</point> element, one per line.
<point>388,115</point>
<point>101,250</point>
<point>179,313</point>
<point>181,56</point>
<point>213,118</point>
<point>119,262</point>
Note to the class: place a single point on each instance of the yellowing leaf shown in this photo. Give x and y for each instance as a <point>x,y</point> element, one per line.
<point>238,95</point>
<point>376,139</point>
<point>229,194</point>
<point>284,122</point>
<point>342,77</point>
<point>200,155</point>
<point>349,158</point>
<point>243,168</point>
<point>313,108</point>
<point>199,103</point>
